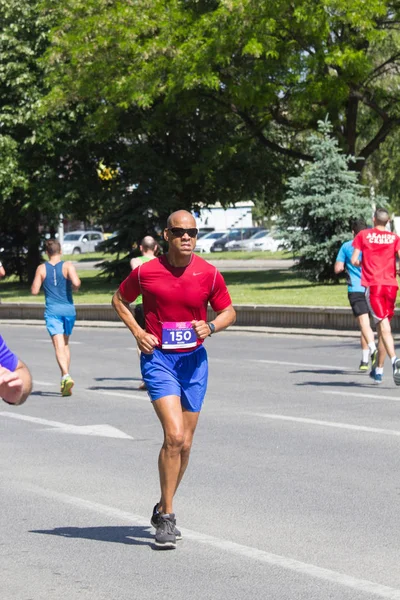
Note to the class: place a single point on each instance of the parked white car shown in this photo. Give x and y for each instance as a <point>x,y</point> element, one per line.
<point>265,242</point>
<point>80,242</point>
<point>206,241</point>
<point>245,244</point>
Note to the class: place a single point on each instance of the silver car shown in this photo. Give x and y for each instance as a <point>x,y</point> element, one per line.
<point>80,242</point>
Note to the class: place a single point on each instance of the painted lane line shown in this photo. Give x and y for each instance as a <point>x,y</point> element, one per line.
<point>326,423</point>
<point>296,364</point>
<point>359,395</point>
<point>120,394</point>
<point>291,564</point>
<point>35,382</point>
<point>96,430</point>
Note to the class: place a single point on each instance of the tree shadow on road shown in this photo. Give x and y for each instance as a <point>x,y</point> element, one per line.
<point>345,384</point>
<point>117,379</point>
<point>322,371</point>
<point>131,535</point>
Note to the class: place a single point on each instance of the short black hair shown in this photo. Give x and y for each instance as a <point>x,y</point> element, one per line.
<point>381,216</point>
<point>358,225</point>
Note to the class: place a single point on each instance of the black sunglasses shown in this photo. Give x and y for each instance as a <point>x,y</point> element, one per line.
<point>180,231</point>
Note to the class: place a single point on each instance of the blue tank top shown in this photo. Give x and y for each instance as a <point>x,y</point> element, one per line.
<point>58,291</point>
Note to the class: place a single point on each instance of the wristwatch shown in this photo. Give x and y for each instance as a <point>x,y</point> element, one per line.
<point>211,327</point>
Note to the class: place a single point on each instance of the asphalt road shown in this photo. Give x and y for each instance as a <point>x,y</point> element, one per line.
<point>292,491</point>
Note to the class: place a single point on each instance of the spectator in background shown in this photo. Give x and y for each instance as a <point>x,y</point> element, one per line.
<point>2,270</point>
<point>149,250</point>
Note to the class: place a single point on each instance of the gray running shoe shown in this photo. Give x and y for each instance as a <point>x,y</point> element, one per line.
<point>396,371</point>
<point>165,536</point>
<point>155,521</point>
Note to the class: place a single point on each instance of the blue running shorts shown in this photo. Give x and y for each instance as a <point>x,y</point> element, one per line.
<point>183,374</point>
<point>56,324</point>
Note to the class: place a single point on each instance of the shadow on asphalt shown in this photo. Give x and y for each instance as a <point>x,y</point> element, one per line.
<point>46,394</point>
<point>132,535</point>
<point>322,371</point>
<point>349,384</point>
<point>117,379</point>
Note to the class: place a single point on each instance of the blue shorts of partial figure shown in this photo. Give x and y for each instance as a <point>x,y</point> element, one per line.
<point>56,324</point>
<point>183,374</point>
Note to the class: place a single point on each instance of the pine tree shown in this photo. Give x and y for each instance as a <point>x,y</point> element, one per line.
<point>320,204</point>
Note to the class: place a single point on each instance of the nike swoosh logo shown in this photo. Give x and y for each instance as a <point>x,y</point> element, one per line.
<point>194,274</point>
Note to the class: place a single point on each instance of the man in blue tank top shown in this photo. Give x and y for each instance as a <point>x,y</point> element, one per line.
<point>59,279</point>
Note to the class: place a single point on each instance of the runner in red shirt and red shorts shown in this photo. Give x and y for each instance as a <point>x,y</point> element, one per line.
<point>380,248</point>
<point>176,290</point>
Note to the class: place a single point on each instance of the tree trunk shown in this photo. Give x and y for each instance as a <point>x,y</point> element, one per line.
<point>34,257</point>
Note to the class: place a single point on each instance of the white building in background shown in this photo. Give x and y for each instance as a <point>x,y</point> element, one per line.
<point>239,215</point>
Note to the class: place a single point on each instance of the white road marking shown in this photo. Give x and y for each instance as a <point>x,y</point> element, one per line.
<point>359,395</point>
<point>326,423</point>
<point>144,396</point>
<point>97,430</point>
<point>285,562</point>
<point>35,382</point>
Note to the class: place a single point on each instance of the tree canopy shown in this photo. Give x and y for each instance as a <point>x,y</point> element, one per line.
<point>275,67</point>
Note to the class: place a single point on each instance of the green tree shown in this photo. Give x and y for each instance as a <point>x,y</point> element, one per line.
<point>320,204</point>
<point>275,67</point>
<point>47,164</point>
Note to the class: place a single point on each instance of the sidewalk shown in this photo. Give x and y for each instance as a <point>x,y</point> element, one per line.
<point>252,264</point>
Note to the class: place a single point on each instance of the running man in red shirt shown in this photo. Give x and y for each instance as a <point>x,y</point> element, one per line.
<point>176,289</point>
<point>379,249</point>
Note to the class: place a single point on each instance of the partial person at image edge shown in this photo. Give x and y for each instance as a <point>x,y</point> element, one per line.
<point>15,378</point>
<point>379,248</point>
<point>357,299</point>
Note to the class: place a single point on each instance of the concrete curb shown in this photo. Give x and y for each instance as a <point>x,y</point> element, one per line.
<point>293,319</point>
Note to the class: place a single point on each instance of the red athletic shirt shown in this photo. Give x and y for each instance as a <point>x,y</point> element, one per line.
<point>176,293</point>
<point>379,249</point>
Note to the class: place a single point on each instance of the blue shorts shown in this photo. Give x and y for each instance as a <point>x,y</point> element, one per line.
<point>183,374</point>
<point>56,324</point>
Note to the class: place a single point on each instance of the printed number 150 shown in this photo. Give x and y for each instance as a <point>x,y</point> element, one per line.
<point>181,336</point>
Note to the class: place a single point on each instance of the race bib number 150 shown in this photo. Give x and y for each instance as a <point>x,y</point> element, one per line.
<point>178,335</point>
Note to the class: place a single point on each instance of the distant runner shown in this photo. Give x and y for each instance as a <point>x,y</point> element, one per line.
<point>356,295</point>
<point>379,249</point>
<point>59,278</point>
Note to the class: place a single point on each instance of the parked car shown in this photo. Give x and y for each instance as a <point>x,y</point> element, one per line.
<point>246,244</point>
<point>204,244</point>
<point>265,242</point>
<point>77,242</point>
<point>233,235</point>
<point>203,231</point>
